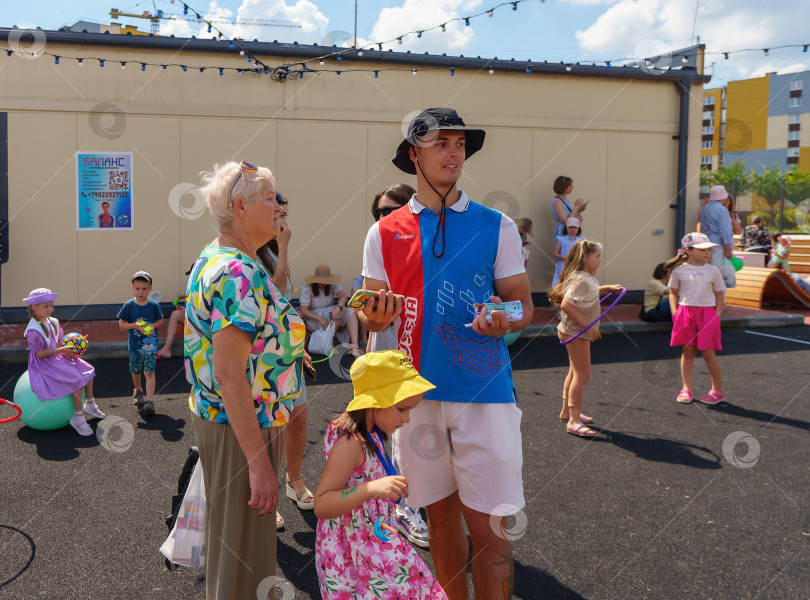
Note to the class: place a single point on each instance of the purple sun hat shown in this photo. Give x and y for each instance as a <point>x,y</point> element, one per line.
<point>40,296</point>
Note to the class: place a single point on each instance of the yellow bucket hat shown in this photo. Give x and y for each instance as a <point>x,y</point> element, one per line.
<point>382,379</point>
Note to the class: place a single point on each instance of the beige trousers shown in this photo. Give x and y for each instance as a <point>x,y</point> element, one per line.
<point>240,547</point>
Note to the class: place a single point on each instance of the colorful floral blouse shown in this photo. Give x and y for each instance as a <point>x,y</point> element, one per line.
<point>225,288</point>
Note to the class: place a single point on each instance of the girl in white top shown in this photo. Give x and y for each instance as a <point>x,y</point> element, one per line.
<point>696,297</point>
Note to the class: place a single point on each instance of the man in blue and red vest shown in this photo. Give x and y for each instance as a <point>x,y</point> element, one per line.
<point>434,259</point>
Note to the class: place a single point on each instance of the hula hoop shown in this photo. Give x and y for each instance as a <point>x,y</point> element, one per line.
<point>320,360</point>
<point>15,407</point>
<point>606,311</point>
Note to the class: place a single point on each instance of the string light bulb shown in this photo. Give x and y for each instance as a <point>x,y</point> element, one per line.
<point>143,66</point>
<point>725,55</point>
<point>684,60</point>
<point>321,62</point>
<point>185,9</point>
<point>56,60</point>
<point>568,68</point>
<point>185,68</point>
<point>101,63</point>
<point>164,68</point>
<point>413,72</point>
<point>81,62</point>
<point>419,34</point>
<point>491,71</point>
<point>338,74</point>
<point>399,39</point>
<point>220,71</point>
<point>444,28</point>
<point>241,53</point>
<point>490,13</point>
<point>766,51</point>
<point>514,5</point>
<point>452,72</point>
<point>376,74</point>
<point>467,21</point>
<point>123,65</point>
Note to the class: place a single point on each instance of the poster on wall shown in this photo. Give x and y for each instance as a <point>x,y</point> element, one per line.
<point>104,190</point>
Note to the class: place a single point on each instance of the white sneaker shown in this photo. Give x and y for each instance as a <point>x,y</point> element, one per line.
<point>412,526</point>
<point>79,423</point>
<point>92,409</point>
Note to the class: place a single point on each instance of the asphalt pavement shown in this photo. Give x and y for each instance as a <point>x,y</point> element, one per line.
<point>670,501</point>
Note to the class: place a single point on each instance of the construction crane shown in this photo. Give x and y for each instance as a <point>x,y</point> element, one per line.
<point>158,16</point>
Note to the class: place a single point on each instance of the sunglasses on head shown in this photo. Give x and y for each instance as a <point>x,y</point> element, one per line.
<point>281,199</point>
<point>244,167</point>
<point>384,211</point>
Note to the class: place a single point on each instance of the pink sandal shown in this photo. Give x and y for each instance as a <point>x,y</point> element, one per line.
<point>580,430</point>
<point>684,396</point>
<point>586,420</point>
<point>713,397</point>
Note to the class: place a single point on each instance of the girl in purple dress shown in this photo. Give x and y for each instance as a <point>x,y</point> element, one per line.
<point>56,371</point>
<point>358,551</point>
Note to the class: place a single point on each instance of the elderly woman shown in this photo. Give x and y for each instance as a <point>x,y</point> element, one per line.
<point>244,347</point>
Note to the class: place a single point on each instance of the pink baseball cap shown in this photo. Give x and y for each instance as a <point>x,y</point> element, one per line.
<point>40,296</point>
<point>572,222</point>
<point>697,240</point>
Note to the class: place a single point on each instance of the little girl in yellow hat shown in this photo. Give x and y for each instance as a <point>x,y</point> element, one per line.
<point>357,547</point>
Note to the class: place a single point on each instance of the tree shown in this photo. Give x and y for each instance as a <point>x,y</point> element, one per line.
<point>768,184</point>
<point>797,185</point>
<point>734,177</point>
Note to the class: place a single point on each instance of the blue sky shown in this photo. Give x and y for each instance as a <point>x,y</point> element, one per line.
<point>554,30</point>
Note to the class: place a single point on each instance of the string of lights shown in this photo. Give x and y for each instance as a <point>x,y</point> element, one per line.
<point>297,70</point>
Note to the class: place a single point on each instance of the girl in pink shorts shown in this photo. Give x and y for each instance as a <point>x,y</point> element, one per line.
<point>696,297</point>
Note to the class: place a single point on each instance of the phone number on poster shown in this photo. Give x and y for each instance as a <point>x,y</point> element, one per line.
<point>108,194</point>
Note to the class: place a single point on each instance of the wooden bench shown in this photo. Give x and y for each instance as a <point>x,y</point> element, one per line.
<point>799,252</point>
<point>760,288</point>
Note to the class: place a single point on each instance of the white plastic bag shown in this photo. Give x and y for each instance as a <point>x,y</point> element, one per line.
<point>320,342</point>
<point>185,545</point>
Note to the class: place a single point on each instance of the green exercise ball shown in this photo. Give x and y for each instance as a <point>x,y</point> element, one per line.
<point>511,338</point>
<point>39,414</point>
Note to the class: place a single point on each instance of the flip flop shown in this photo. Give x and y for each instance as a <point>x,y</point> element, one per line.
<point>279,521</point>
<point>586,420</point>
<point>581,431</point>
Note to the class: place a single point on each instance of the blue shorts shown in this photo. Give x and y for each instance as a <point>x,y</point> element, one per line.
<point>138,363</point>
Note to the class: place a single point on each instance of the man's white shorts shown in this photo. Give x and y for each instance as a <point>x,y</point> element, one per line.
<point>473,448</point>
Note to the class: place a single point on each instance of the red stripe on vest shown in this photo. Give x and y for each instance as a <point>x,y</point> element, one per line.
<point>402,259</point>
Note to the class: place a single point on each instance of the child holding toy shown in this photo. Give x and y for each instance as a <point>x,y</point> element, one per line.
<point>358,552</point>
<point>578,296</point>
<point>53,370</point>
<point>142,317</point>
<point>696,297</point>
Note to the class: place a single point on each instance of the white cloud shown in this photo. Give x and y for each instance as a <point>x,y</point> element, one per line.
<point>415,15</point>
<point>313,23</point>
<point>628,26</point>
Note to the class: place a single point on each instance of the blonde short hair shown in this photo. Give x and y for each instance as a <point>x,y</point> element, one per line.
<point>216,186</point>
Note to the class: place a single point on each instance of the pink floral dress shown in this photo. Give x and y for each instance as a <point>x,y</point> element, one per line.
<point>352,562</point>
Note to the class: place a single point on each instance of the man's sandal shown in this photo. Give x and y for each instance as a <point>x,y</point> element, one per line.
<point>684,396</point>
<point>581,431</point>
<point>713,397</point>
<point>306,500</point>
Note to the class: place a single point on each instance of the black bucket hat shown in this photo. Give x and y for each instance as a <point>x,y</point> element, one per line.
<point>433,120</point>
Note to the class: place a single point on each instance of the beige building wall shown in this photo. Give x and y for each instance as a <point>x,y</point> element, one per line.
<point>329,141</point>
<point>777,132</point>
